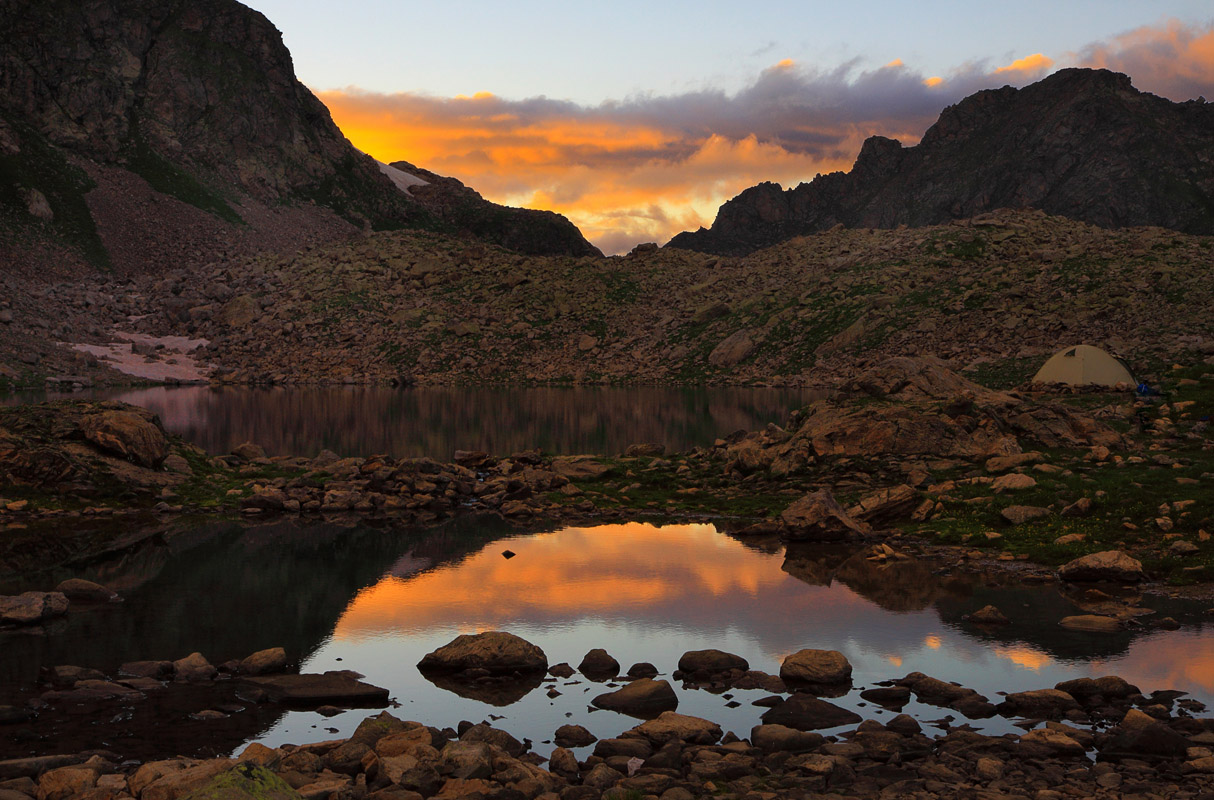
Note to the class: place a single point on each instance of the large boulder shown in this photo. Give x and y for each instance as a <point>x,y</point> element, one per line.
<point>816,666</point>
<point>80,590</point>
<point>1109,565</point>
<point>136,437</point>
<point>497,652</point>
<point>886,505</point>
<point>32,607</point>
<point>819,517</point>
<point>734,349</point>
<point>643,697</point>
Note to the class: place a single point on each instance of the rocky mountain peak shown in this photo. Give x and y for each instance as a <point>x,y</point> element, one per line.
<point>1080,143</point>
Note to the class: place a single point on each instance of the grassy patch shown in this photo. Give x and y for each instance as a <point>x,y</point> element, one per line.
<point>167,178</point>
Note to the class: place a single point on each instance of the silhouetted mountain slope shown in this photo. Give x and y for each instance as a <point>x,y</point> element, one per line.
<point>1081,143</point>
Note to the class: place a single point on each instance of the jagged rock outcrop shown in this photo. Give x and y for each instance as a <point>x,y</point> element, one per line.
<point>1080,143</point>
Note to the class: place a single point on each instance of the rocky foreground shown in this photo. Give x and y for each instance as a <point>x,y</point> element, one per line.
<point>1145,746</point>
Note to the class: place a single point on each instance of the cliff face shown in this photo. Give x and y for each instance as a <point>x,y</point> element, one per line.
<point>196,100</point>
<point>1081,143</point>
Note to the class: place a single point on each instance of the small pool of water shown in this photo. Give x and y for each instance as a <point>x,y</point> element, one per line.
<point>435,422</point>
<point>376,601</point>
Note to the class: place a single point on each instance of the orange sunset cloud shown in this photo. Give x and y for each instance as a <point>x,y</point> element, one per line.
<point>647,167</point>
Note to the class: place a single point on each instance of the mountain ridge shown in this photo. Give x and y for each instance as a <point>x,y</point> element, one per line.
<point>1081,143</point>
<point>102,100</point>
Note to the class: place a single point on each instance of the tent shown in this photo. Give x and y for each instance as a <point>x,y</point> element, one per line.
<point>1084,365</point>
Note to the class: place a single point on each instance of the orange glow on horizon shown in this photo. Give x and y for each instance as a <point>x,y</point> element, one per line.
<point>644,169</point>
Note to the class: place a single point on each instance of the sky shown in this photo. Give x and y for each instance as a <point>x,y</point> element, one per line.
<point>638,119</point>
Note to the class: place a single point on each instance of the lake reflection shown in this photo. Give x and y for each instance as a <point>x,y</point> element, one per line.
<point>377,600</point>
<point>435,422</point>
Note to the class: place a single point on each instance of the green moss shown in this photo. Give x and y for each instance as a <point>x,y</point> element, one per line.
<point>170,179</point>
<point>245,781</point>
<point>42,166</point>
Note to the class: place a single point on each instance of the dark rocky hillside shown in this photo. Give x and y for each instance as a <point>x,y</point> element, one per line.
<point>1081,143</point>
<point>141,133</point>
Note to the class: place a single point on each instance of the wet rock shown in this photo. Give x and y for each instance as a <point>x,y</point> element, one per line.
<point>194,668</point>
<point>69,675</point>
<point>711,662</point>
<point>82,591</point>
<point>1052,703</point>
<point>936,692</point>
<point>137,437</point>
<point>987,615</point>
<point>264,662</point>
<point>807,713</point>
<point>1091,623</point>
<point>781,738</point>
<point>497,652</point>
<point>819,517</point>
<point>1108,687</point>
<point>30,608</point>
<point>329,688</point>
<point>574,736</point>
<point>598,664</point>
<point>1110,565</point>
<point>561,670</point>
<point>888,696</point>
<point>757,679</point>
<point>642,669</point>
<point>816,667</point>
<point>643,697</point>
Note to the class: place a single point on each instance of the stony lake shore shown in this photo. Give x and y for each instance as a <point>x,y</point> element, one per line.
<point>912,460</point>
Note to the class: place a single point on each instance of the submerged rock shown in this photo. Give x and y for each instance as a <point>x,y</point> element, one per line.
<point>329,688</point>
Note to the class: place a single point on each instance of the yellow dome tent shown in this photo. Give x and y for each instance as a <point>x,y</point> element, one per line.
<point>1084,365</point>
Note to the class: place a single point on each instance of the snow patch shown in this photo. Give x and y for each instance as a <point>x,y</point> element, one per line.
<point>172,363</point>
<point>403,180</point>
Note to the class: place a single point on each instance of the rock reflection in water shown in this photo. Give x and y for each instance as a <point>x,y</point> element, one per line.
<point>495,691</point>
<point>437,421</point>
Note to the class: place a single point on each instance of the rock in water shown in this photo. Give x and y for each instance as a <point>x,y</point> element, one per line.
<point>806,713</point>
<point>598,663</point>
<point>643,697</point>
<point>31,607</point>
<point>83,591</point>
<point>816,666</point>
<point>330,688</point>
<point>1091,623</point>
<point>496,651</point>
<point>1110,565</point>
<point>711,662</point>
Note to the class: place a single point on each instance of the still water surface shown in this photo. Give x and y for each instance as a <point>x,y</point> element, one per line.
<point>377,600</point>
<point>435,422</point>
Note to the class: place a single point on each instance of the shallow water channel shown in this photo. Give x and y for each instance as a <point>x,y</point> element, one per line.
<point>376,600</point>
